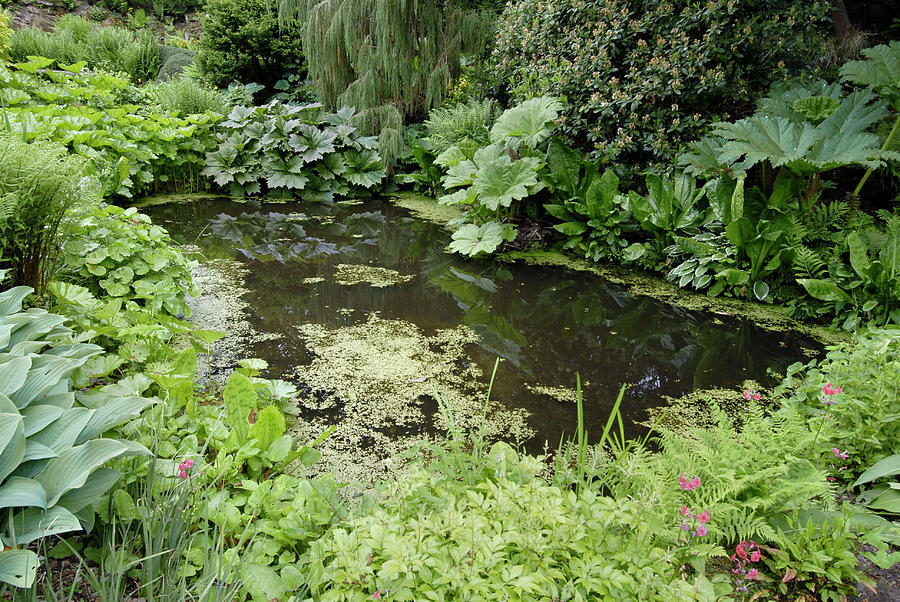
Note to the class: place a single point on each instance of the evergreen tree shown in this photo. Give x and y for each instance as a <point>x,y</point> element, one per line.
<point>393,60</point>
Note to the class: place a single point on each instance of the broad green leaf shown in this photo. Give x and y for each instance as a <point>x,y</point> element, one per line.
<point>12,443</point>
<point>859,257</point>
<point>240,399</point>
<point>501,182</point>
<point>262,581</point>
<point>11,299</point>
<point>13,373</point>
<point>471,239</point>
<point>99,482</point>
<point>532,121</point>
<point>270,425</point>
<point>33,523</point>
<point>825,290</point>
<point>760,290</point>
<point>18,567</point>
<point>881,71</point>
<point>74,465</point>
<point>38,416</point>
<point>571,228</point>
<point>883,468</point>
<point>19,491</point>
<point>111,414</point>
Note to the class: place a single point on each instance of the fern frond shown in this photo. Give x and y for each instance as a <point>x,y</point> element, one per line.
<point>807,263</point>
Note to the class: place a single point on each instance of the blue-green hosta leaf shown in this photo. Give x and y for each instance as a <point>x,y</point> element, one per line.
<point>18,492</point>
<point>99,482</point>
<point>471,239</point>
<point>71,469</point>
<point>18,567</point>
<point>12,443</point>
<point>34,523</point>
<point>881,71</point>
<point>113,413</point>
<point>530,121</point>
<point>13,373</point>
<point>503,181</point>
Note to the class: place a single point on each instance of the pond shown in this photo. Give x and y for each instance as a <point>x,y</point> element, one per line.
<point>389,337</point>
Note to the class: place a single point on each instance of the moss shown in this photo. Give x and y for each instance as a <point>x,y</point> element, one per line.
<point>164,199</point>
<point>379,381</point>
<point>425,207</point>
<point>770,317</point>
<point>348,275</point>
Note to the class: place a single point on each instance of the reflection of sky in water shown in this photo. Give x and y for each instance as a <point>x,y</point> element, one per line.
<point>546,322</point>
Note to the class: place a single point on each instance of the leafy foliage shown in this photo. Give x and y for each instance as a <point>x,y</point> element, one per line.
<point>131,148</point>
<point>293,148</point>
<point>462,122</point>
<point>643,79</point>
<point>120,255</point>
<point>51,450</point>
<point>39,184</point>
<point>881,71</point>
<point>75,39</point>
<point>512,529</point>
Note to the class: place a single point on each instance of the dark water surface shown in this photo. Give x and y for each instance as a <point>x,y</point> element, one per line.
<point>547,323</point>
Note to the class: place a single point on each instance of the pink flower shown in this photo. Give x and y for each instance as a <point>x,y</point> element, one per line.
<point>748,395</point>
<point>740,551</point>
<point>183,467</point>
<point>377,595</point>
<point>688,485</point>
<point>752,574</point>
<point>695,482</point>
<point>831,389</point>
<point>701,531</point>
<point>757,397</point>
<point>755,556</point>
<point>703,517</point>
<point>682,481</point>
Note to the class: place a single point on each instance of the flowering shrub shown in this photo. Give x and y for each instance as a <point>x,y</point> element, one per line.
<point>640,78</point>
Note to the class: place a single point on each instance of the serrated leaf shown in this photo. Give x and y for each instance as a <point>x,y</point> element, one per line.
<point>881,71</point>
<point>501,182</point>
<point>530,121</point>
<point>471,239</point>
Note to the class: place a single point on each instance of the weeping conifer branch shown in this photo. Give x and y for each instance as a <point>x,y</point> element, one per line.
<point>393,60</point>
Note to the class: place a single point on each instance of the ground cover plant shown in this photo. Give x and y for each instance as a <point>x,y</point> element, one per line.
<point>131,147</point>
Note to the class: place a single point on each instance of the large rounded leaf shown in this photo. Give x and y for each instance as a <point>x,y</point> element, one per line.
<point>501,182</point>
<point>12,443</point>
<point>531,121</point>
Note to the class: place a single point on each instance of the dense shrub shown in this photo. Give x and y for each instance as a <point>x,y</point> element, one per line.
<point>39,183</point>
<point>242,42</point>
<point>642,77</point>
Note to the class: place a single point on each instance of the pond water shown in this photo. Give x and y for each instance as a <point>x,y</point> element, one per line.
<point>359,305</point>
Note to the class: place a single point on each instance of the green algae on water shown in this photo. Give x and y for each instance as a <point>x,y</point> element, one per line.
<point>379,382</point>
<point>561,394</point>
<point>349,275</point>
<point>425,207</point>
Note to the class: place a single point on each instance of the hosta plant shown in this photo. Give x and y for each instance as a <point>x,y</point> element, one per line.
<point>51,450</point>
<point>293,149</point>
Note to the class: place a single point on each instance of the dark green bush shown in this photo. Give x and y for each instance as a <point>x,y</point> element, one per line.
<point>242,42</point>
<point>642,77</point>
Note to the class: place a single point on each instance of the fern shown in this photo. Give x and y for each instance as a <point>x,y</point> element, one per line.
<point>750,477</point>
<point>807,263</point>
<point>826,221</point>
